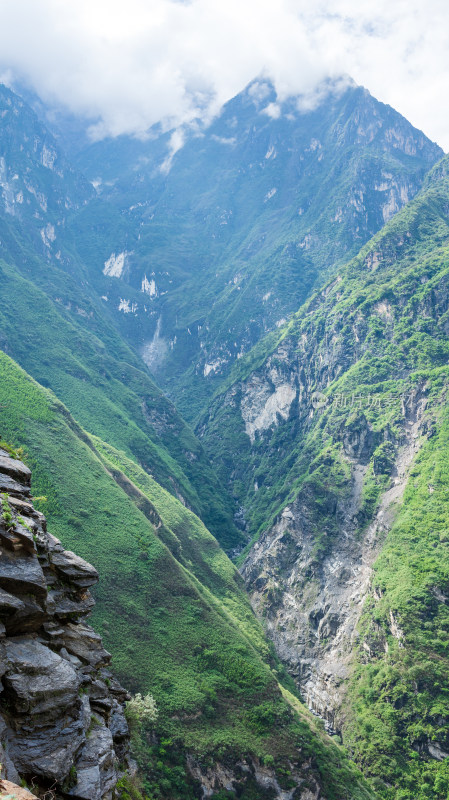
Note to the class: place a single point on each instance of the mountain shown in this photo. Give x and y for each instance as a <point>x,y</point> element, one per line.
<point>229,235</point>
<point>39,187</point>
<point>319,455</point>
<point>54,325</point>
<point>338,431</point>
<point>168,599</point>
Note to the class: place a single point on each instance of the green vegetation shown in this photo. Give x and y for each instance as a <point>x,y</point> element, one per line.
<point>165,775</point>
<point>6,509</point>
<point>381,331</point>
<point>250,219</point>
<point>398,317</point>
<point>400,695</point>
<point>105,386</point>
<point>126,483</point>
<point>167,603</point>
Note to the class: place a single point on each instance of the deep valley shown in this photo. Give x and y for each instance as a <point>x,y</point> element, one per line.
<point>225,370</point>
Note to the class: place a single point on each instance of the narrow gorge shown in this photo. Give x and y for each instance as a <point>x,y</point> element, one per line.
<point>226,365</point>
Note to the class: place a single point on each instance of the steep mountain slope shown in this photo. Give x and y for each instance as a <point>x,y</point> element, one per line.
<point>54,325</point>
<point>39,188</point>
<point>167,601</point>
<point>253,212</point>
<point>339,429</point>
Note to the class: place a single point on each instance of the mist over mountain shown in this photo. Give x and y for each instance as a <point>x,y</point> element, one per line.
<point>190,272</point>
<point>224,357</point>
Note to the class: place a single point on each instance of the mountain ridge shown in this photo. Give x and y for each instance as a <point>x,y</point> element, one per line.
<point>301,191</point>
<point>332,426</point>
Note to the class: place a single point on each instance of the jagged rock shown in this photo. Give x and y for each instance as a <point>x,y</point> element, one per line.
<point>24,533</point>
<point>22,506</point>
<point>50,751</point>
<point>9,604</point>
<point>8,484</point>
<point>83,642</point>
<point>16,469</point>
<point>74,568</point>
<point>28,618</point>
<point>118,724</point>
<point>95,766</point>
<point>38,680</point>
<point>52,664</point>
<point>22,574</point>
<point>218,776</point>
<point>66,605</point>
<point>436,751</point>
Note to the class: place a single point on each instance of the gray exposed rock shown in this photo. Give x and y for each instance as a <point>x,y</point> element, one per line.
<point>82,641</point>
<point>16,469</point>
<point>8,484</point>
<point>58,714</point>
<point>25,535</point>
<point>311,605</point>
<point>38,681</point>
<point>214,777</point>
<point>96,774</point>
<point>68,605</point>
<point>118,724</point>
<point>22,574</point>
<point>9,604</point>
<point>74,568</point>
<point>48,751</point>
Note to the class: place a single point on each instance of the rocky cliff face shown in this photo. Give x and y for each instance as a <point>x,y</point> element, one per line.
<point>312,604</point>
<point>309,574</point>
<point>335,430</point>
<point>62,725</point>
<point>38,186</point>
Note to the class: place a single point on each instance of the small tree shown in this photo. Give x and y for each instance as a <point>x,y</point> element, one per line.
<point>141,709</point>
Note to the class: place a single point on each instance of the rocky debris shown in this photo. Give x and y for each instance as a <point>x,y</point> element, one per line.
<point>252,773</point>
<point>62,720</point>
<point>312,606</point>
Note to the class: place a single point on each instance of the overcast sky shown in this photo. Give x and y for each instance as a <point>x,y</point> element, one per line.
<point>130,63</point>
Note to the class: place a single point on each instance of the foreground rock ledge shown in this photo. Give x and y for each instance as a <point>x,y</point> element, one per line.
<point>62,723</point>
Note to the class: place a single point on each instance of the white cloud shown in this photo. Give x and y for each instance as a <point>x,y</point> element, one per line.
<point>272,110</point>
<point>176,142</point>
<point>130,64</point>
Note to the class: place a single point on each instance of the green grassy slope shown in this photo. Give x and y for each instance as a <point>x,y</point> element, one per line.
<point>401,698</point>
<point>58,334</point>
<point>56,326</point>
<point>169,605</point>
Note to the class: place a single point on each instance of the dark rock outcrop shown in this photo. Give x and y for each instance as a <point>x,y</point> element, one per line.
<point>62,724</point>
